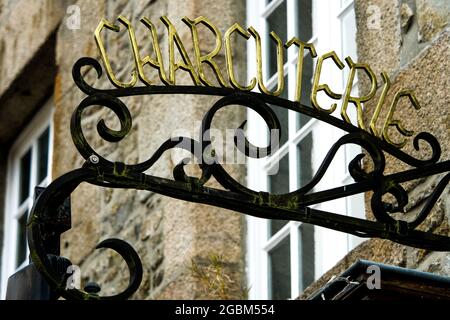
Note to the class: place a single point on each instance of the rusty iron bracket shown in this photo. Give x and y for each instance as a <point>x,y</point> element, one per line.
<point>294,206</point>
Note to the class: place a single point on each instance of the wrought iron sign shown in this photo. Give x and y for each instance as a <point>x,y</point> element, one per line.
<point>45,220</point>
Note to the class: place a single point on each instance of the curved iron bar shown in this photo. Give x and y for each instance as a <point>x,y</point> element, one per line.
<point>291,206</point>
<point>280,102</point>
<point>43,213</point>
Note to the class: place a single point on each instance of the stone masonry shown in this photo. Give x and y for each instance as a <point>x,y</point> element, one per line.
<point>168,234</point>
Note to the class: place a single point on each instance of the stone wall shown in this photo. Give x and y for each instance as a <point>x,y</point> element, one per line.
<point>412,46</point>
<point>21,21</point>
<point>168,234</point>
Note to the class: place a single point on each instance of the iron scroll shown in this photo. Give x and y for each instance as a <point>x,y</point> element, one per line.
<point>294,206</point>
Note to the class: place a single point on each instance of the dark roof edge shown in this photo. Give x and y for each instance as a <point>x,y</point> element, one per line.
<point>360,267</point>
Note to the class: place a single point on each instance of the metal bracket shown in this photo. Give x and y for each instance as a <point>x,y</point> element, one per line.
<point>295,205</point>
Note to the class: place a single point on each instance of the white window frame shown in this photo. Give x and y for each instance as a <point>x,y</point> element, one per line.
<point>330,246</point>
<point>26,140</point>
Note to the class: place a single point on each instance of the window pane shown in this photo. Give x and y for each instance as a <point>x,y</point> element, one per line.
<point>279,184</point>
<point>277,22</point>
<point>283,115</point>
<point>43,143</point>
<point>304,20</point>
<point>305,171</point>
<point>24,180</point>
<point>344,3</point>
<point>277,225</point>
<point>348,38</point>
<point>21,239</point>
<point>280,270</point>
<point>307,77</point>
<point>307,254</point>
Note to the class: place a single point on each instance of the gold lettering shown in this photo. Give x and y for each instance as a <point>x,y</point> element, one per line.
<point>198,75</point>
<point>397,123</point>
<point>387,83</point>
<point>280,63</point>
<point>98,39</point>
<point>229,57</point>
<point>324,87</point>
<point>158,63</point>
<point>208,59</point>
<point>186,65</point>
<point>301,56</point>
<point>357,100</point>
<point>134,46</point>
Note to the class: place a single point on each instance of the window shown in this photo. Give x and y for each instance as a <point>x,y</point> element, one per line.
<point>283,258</point>
<point>28,166</point>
